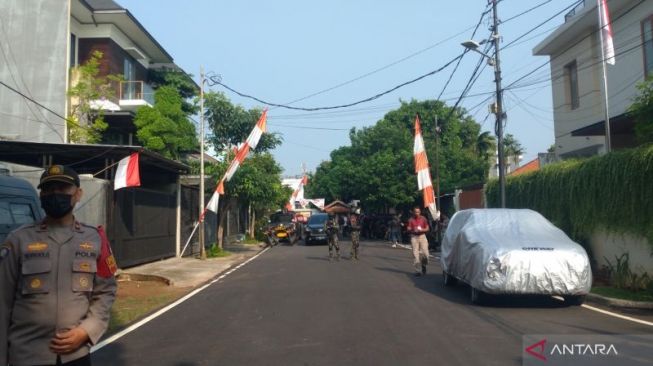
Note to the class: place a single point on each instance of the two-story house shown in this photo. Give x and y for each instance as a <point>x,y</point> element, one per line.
<point>576,75</point>
<point>128,49</point>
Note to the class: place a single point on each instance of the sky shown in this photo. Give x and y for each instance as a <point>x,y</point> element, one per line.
<point>284,50</point>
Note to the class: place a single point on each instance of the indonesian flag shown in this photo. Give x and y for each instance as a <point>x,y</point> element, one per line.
<point>127,174</point>
<point>422,169</point>
<point>606,31</point>
<point>241,154</point>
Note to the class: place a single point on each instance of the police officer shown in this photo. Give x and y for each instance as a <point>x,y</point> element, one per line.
<point>331,229</point>
<point>355,227</point>
<point>57,281</point>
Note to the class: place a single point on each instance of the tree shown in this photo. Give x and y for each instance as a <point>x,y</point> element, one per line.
<point>512,147</point>
<point>642,111</point>
<point>86,120</point>
<point>377,168</point>
<point>179,80</point>
<point>164,128</point>
<point>486,145</point>
<point>231,124</point>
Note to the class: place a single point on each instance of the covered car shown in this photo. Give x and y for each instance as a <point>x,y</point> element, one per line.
<point>513,251</point>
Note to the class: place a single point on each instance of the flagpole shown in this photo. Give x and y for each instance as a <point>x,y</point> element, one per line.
<point>608,144</point>
<point>202,203</point>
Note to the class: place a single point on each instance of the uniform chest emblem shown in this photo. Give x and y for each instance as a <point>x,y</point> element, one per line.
<point>83,282</point>
<point>35,283</point>
<point>86,246</point>
<point>36,247</point>
<point>86,267</point>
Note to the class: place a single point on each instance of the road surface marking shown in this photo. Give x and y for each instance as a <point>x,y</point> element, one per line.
<point>146,320</point>
<point>617,315</point>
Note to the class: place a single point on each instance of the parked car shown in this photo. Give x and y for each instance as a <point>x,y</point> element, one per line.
<point>315,229</point>
<point>19,204</point>
<point>283,227</point>
<point>511,251</point>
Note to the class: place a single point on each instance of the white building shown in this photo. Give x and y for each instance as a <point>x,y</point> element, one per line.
<point>576,75</point>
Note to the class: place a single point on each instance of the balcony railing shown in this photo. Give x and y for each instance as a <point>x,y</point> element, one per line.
<point>130,92</point>
<point>575,11</point>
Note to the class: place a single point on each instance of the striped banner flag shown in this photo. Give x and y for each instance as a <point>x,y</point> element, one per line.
<point>241,154</point>
<point>298,194</point>
<point>422,169</point>
<point>606,32</point>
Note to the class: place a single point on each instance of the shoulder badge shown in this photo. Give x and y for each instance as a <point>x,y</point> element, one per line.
<point>5,249</point>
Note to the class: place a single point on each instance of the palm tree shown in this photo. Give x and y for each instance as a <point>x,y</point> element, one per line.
<point>486,144</point>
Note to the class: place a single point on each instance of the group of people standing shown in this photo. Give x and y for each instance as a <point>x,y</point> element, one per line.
<point>332,228</point>
<point>417,227</point>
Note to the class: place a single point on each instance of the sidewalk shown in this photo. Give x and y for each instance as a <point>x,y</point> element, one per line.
<point>190,272</point>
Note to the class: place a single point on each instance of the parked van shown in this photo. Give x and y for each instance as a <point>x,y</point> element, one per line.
<point>19,204</point>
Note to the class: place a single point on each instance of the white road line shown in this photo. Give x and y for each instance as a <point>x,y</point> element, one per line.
<point>617,315</point>
<point>146,320</point>
<point>589,307</point>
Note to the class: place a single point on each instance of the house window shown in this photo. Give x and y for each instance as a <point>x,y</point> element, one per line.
<point>647,41</point>
<point>571,73</point>
<point>73,50</point>
<point>128,88</point>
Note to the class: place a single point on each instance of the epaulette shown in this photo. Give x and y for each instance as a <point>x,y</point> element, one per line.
<point>80,226</point>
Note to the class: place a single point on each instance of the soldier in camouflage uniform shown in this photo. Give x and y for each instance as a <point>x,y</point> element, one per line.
<point>57,281</point>
<point>355,225</point>
<point>331,229</point>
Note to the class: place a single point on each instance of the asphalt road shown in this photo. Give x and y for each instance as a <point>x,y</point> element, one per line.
<point>291,306</point>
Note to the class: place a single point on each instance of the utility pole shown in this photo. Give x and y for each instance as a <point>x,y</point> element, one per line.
<point>201,205</point>
<point>437,163</point>
<point>437,177</point>
<point>499,106</point>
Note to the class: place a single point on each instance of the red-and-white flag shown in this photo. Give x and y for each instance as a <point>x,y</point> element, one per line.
<point>422,169</point>
<point>127,173</point>
<point>606,31</point>
<point>241,154</point>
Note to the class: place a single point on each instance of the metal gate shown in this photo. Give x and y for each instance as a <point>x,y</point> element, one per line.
<point>144,225</point>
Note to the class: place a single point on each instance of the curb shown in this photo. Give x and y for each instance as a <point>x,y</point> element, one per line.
<point>619,303</point>
<point>128,277</point>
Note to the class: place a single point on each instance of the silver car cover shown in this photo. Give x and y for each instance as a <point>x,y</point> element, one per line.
<point>514,251</point>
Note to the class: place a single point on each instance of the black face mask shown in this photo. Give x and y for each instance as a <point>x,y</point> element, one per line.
<point>57,205</point>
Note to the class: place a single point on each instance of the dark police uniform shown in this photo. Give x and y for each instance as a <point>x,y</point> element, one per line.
<point>53,279</point>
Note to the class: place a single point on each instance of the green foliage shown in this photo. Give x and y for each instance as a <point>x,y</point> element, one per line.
<point>85,123</point>
<point>378,166</point>
<point>216,252</point>
<point>179,80</point>
<point>231,124</point>
<point>512,147</point>
<point>642,111</point>
<point>611,192</point>
<point>164,128</point>
<point>622,277</point>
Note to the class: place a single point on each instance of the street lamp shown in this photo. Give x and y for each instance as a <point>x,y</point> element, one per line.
<point>494,61</point>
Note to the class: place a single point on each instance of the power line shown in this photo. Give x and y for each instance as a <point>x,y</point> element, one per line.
<point>544,22</point>
<point>216,81</point>
<point>32,100</point>
<point>453,72</point>
<point>526,11</point>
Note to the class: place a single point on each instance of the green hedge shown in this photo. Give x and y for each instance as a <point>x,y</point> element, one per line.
<point>613,191</point>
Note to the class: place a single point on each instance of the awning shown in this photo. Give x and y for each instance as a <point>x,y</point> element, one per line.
<point>85,159</point>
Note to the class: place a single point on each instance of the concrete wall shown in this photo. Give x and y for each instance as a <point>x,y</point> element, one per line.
<point>622,79</point>
<point>34,61</point>
<point>611,245</point>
